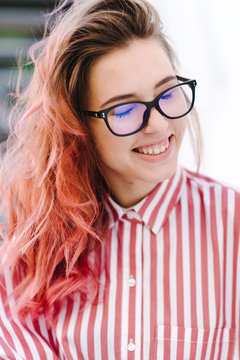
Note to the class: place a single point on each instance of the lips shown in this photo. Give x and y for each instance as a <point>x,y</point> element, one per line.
<point>154,149</point>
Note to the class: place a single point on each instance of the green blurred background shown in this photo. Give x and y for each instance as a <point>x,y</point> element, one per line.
<point>21,24</point>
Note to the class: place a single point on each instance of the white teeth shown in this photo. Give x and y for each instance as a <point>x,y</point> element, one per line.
<point>153,150</point>
<point>157,150</point>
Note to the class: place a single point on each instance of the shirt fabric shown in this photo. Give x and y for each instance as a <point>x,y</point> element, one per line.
<point>170,288</point>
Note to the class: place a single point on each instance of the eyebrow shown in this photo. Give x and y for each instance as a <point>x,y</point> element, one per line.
<point>127,96</point>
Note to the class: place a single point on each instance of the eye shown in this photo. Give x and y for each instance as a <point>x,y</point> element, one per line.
<point>167,95</point>
<point>123,111</point>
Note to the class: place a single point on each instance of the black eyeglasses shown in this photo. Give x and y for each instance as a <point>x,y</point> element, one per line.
<point>131,117</point>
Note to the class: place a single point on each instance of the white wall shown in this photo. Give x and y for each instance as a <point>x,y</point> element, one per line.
<point>206,37</point>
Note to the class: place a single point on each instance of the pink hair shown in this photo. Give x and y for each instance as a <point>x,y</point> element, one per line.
<point>47,180</point>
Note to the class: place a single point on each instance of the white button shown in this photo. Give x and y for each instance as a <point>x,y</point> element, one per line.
<point>131,215</point>
<point>131,281</point>
<point>131,346</point>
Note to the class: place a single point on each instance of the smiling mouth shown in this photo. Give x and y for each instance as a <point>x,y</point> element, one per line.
<point>153,149</point>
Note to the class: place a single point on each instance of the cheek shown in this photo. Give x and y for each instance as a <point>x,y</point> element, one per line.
<point>108,146</point>
<point>180,126</point>
<point>98,132</point>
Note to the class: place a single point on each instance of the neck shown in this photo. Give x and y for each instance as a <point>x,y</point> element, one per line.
<point>129,194</point>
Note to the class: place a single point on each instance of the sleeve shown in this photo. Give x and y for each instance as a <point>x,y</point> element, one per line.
<point>29,341</point>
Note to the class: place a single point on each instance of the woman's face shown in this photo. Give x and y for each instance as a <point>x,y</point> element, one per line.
<point>133,73</point>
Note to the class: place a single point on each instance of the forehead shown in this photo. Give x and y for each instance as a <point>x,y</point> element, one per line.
<point>135,68</point>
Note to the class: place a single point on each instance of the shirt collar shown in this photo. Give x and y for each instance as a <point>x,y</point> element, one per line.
<point>155,208</point>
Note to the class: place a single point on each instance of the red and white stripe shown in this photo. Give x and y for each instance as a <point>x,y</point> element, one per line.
<point>170,288</point>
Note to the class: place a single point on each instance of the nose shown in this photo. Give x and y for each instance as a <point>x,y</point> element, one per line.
<point>156,122</point>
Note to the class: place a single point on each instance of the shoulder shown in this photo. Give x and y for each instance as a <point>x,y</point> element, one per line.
<point>206,183</point>
<point>217,197</point>
<point>28,339</point>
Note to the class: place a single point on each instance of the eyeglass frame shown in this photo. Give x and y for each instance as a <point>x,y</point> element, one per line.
<point>102,114</point>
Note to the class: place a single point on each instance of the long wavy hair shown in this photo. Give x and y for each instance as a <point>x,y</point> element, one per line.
<point>52,187</point>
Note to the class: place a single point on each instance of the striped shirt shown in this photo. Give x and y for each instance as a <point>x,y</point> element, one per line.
<point>170,285</point>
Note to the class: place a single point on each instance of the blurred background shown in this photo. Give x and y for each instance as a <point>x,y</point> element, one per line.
<point>21,24</point>
<point>205,35</point>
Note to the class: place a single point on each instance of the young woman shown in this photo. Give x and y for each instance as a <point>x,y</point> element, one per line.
<point>111,249</point>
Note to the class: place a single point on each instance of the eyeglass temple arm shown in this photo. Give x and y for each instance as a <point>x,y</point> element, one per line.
<point>94,114</point>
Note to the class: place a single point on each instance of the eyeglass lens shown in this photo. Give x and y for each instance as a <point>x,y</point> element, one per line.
<point>128,118</point>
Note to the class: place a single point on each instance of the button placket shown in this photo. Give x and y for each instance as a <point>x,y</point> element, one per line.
<point>133,342</point>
